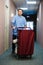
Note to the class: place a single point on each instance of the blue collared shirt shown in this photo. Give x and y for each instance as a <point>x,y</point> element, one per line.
<point>18,21</point>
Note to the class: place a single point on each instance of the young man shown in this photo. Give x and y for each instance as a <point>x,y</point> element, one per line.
<point>18,21</point>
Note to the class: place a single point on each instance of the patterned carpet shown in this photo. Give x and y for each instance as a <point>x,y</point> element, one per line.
<point>37,58</point>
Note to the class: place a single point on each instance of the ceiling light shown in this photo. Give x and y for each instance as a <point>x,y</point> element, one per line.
<point>24,8</point>
<point>28,16</point>
<point>31,2</point>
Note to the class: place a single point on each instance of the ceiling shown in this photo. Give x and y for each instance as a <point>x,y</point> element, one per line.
<point>23,4</point>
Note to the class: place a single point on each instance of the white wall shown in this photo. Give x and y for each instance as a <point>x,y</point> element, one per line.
<point>6,8</point>
<point>2,24</point>
<point>40,25</point>
<point>6,45</point>
<point>12,11</point>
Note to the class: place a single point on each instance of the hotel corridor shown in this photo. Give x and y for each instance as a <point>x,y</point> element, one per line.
<point>33,13</point>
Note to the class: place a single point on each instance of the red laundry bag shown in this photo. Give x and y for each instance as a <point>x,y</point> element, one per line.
<point>25,42</point>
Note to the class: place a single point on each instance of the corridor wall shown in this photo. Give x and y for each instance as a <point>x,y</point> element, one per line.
<point>40,25</point>
<point>2,21</point>
<point>7,7</point>
<point>11,15</point>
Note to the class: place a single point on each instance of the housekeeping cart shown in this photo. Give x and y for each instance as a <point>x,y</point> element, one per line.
<point>25,42</point>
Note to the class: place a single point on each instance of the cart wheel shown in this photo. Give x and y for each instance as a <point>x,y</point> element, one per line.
<point>18,56</point>
<point>30,56</point>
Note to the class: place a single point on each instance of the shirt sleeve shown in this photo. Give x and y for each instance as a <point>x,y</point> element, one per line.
<point>14,21</point>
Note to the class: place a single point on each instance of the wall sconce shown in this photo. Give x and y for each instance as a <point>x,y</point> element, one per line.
<point>12,15</point>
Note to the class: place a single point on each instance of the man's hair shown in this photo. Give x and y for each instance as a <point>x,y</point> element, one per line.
<point>20,9</point>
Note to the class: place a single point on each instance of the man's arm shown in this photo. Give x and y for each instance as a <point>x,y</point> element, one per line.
<point>13,23</point>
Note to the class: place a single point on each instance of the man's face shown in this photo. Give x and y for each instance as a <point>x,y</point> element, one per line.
<point>20,12</point>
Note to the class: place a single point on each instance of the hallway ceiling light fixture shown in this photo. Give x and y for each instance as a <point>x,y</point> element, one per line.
<point>24,8</point>
<point>31,2</point>
<point>28,16</point>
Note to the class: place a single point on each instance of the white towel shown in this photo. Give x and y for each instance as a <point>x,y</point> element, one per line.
<point>15,41</point>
